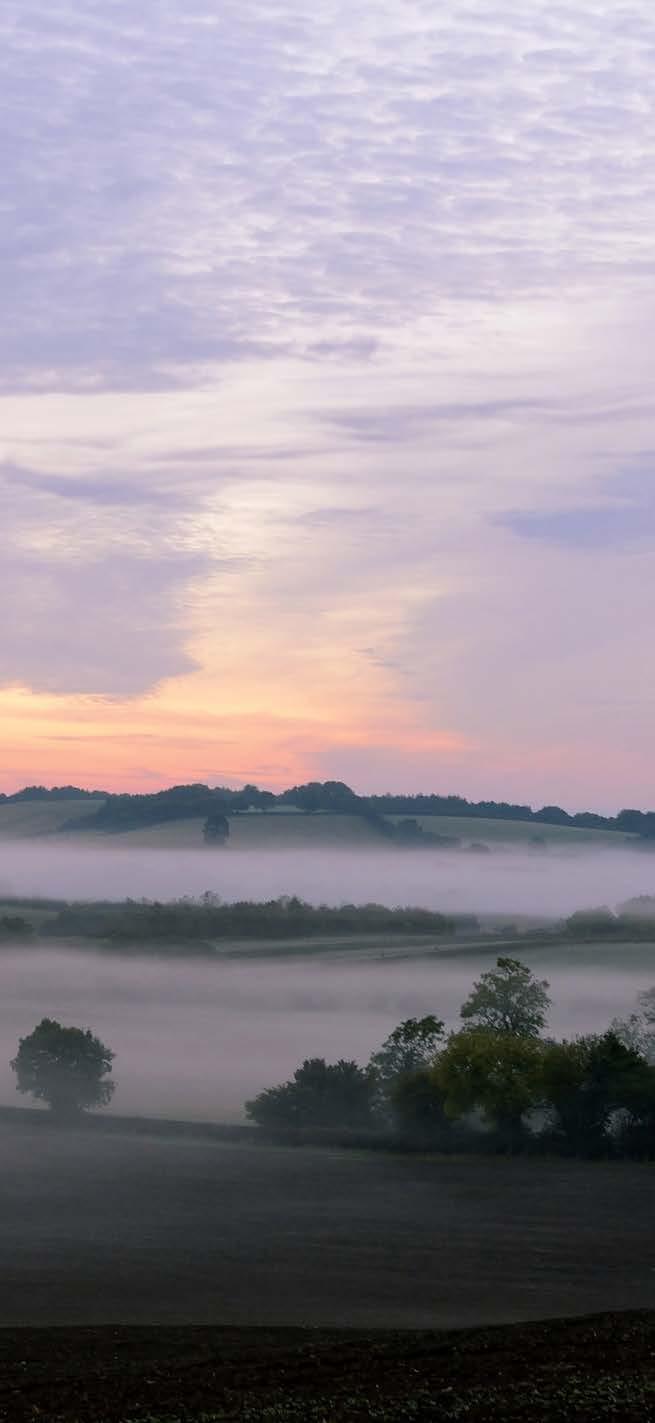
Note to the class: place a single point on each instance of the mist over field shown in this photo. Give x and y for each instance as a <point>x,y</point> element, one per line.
<point>195,1039</point>
<point>548,881</point>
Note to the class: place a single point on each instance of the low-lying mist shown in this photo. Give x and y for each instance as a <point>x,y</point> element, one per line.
<point>196,1039</point>
<point>542,882</point>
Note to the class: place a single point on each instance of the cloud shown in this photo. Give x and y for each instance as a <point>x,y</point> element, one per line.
<point>114,627</point>
<point>624,519</point>
<point>403,423</point>
<point>588,527</point>
<point>97,604</point>
<point>193,185</point>
<point>323,327</point>
<point>105,490</point>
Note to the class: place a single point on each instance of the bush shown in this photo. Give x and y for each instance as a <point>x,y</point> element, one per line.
<point>318,1095</point>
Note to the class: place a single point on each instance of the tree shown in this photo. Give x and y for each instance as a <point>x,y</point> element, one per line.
<point>591,923</point>
<point>647,1002</point>
<point>508,999</point>
<point>216,829</point>
<point>14,926</point>
<point>588,1080</point>
<point>417,1103</point>
<point>413,1044</point>
<point>637,1033</point>
<point>65,1067</point>
<point>318,1095</point>
<point>492,1072</point>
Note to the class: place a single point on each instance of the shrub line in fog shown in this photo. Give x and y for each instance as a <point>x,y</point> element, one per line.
<point>199,924</point>
<point>495,1084</point>
<point>199,921</point>
<point>499,1082</point>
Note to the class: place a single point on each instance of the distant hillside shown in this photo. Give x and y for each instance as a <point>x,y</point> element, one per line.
<point>336,814</point>
<point>23,820</point>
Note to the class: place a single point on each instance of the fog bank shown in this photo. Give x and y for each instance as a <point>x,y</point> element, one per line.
<point>551,881</point>
<point>195,1039</point>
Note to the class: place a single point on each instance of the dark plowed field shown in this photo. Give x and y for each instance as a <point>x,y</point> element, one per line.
<point>584,1370</point>
<point>105,1228</point>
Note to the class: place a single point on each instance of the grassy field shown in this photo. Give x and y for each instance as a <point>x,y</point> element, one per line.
<point>98,1228</point>
<point>253,832</point>
<point>514,832</point>
<point>27,819</point>
<point>31,819</point>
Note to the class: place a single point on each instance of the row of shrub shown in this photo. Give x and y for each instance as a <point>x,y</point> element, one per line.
<point>498,1083</point>
<point>209,919</point>
<point>202,921</point>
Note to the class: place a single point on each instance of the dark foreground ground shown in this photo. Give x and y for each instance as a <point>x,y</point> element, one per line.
<point>105,1228</point>
<point>106,1234</point>
<point>585,1370</point>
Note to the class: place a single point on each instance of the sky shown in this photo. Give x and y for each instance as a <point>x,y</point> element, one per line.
<point>326,425</point>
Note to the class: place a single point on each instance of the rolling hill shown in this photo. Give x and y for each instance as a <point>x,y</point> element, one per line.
<point>286,828</point>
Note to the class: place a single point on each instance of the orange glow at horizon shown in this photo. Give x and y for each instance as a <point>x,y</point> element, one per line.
<point>166,738</point>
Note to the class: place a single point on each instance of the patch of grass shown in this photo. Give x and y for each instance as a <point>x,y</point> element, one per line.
<point>26,820</point>
<point>516,832</point>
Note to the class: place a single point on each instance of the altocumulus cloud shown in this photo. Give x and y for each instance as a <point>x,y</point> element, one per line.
<point>187,183</point>
<point>392,265</point>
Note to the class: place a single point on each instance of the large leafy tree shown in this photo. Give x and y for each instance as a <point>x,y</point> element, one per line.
<point>508,999</point>
<point>417,1105</point>
<point>319,1094</point>
<point>637,1031</point>
<point>67,1068</point>
<point>412,1045</point>
<point>586,1081</point>
<point>494,1073</point>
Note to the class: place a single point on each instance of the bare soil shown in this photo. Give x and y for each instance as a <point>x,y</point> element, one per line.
<point>584,1369</point>
<point>160,1278</point>
<point>104,1227</point>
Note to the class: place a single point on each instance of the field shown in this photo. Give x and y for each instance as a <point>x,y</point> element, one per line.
<point>102,1228</point>
<point>289,1284</point>
<point>33,819</point>
<point>257,832</point>
<point>590,1370</point>
<point>516,832</point>
<point>27,819</point>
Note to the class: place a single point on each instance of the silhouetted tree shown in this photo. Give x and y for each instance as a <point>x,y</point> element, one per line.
<point>216,829</point>
<point>592,923</point>
<point>14,926</point>
<point>318,1095</point>
<point>413,1044</point>
<point>495,1073</point>
<point>508,999</point>
<point>418,1110</point>
<point>65,1067</point>
<point>588,1080</point>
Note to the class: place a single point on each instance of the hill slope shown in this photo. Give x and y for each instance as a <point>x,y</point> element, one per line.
<point>282,830</point>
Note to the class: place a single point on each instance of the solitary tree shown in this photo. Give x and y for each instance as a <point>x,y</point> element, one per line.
<point>216,830</point>
<point>65,1067</point>
<point>508,999</point>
